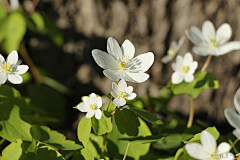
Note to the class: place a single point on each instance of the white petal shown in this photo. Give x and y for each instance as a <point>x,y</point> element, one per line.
<point>208,141</point>
<point>192,67</point>
<point>119,102</point>
<point>173,46</point>
<point>15,78</point>
<point>93,98</point>
<point>136,77</point>
<point>181,42</point>
<point>122,85</point>
<point>203,51</point>
<point>12,58</point>
<point>232,117</point>
<point>109,74</point>
<point>131,96</point>
<point>114,94</point>
<point>167,58</point>
<point>104,60</point>
<point>178,65</point>
<point>3,77</point>
<point>236,133</point>
<point>187,59</point>
<point>83,107</point>
<point>228,47</point>
<point>21,69</point>
<point>129,90</point>
<point>98,114</point>
<point>128,49</point>
<point>113,48</point>
<point>237,100</point>
<point>188,78</point>
<point>226,156</point>
<point>179,61</point>
<point>99,102</point>
<point>2,59</point>
<point>195,36</point>
<point>145,61</point>
<point>86,100</point>
<point>115,87</point>
<point>90,113</point>
<point>223,148</point>
<point>196,150</point>
<point>224,33</point>
<point>177,77</point>
<point>208,30</point>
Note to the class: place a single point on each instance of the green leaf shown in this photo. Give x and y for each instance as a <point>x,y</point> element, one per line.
<point>116,148</point>
<point>84,154</point>
<point>127,122</point>
<point>203,80</point>
<point>169,142</point>
<point>44,135</point>
<point>14,127</point>
<point>84,130</point>
<point>43,153</point>
<point>103,125</point>
<point>7,91</point>
<point>211,130</point>
<point>13,149</point>
<point>36,22</point>
<point>148,116</point>
<point>142,139</point>
<point>15,29</point>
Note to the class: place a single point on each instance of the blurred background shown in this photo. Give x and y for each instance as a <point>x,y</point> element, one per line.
<point>59,45</point>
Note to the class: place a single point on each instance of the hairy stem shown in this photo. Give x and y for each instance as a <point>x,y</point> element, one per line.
<point>206,63</point>
<point>191,114</point>
<point>125,154</point>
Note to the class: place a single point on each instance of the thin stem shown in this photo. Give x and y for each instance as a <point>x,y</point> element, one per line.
<point>27,59</point>
<point>103,145</point>
<point>125,154</point>
<point>38,143</point>
<point>109,102</point>
<point>206,63</point>
<point>191,114</point>
<point>233,144</point>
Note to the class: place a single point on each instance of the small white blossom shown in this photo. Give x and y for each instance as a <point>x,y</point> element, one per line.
<point>10,69</point>
<point>232,116</point>
<point>120,64</point>
<point>91,105</point>
<point>14,5</point>
<point>208,149</point>
<point>211,42</point>
<point>184,68</point>
<point>121,92</point>
<point>173,49</point>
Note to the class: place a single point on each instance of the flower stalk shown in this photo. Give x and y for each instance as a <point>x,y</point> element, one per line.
<point>206,64</point>
<point>125,154</point>
<point>191,115</point>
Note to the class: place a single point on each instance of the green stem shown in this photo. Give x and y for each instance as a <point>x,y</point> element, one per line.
<point>191,114</point>
<point>125,154</point>
<point>103,145</point>
<point>206,63</point>
<point>233,144</point>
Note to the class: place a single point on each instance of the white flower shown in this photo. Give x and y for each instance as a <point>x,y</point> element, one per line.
<point>211,42</point>
<point>121,92</point>
<point>184,68</point>
<point>120,64</point>
<point>91,105</point>
<point>172,51</point>
<point>14,4</point>
<point>207,149</point>
<point>10,69</point>
<point>232,116</point>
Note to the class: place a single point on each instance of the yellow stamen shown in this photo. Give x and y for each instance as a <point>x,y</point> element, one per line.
<point>122,94</point>
<point>93,106</point>
<point>171,52</point>
<point>213,43</point>
<point>185,69</point>
<point>6,67</point>
<point>122,65</point>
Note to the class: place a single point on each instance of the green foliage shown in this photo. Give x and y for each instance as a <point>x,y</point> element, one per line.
<point>44,135</point>
<point>203,80</point>
<point>36,22</point>
<point>84,130</point>
<point>84,154</point>
<point>42,153</point>
<point>13,149</point>
<point>127,122</point>
<point>103,125</point>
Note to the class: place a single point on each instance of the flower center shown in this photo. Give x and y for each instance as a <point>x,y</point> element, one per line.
<point>185,69</point>
<point>93,106</point>
<point>171,52</point>
<point>122,94</point>
<point>213,43</point>
<point>122,65</point>
<point>214,156</point>
<point>6,67</point>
